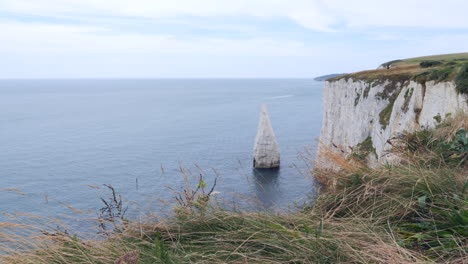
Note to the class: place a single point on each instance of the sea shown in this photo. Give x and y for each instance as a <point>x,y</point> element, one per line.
<point>63,140</point>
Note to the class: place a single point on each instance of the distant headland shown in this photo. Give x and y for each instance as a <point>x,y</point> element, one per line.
<point>328,76</point>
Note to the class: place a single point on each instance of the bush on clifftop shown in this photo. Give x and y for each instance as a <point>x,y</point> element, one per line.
<point>462,79</point>
<point>427,64</point>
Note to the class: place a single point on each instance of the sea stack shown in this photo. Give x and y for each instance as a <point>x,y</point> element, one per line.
<point>266,152</point>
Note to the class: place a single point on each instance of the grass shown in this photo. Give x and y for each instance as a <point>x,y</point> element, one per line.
<point>438,74</point>
<point>429,63</point>
<point>402,74</point>
<point>442,57</point>
<point>461,80</point>
<point>438,68</point>
<point>415,211</point>
<point>386,113</point>
<point>367,90</point>
<point>363,149</point>
<point>407,96</point>
<point>356,99</point>
<point>390,92</point>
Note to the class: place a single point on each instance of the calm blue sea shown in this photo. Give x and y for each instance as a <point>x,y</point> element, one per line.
<point>58,136</point>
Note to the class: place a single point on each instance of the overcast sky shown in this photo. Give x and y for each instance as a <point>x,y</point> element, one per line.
<point>221,38</point>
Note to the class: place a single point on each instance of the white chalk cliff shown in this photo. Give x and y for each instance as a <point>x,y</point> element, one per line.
<point>266,152</point>
<point>376,111</point>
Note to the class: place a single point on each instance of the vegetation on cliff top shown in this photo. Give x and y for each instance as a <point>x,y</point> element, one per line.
<point>442,57</point>
<point>328,76</point>
<point>413,212</point>
<point>421,69</point>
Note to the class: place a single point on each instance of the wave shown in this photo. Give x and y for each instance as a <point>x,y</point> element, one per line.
<point>280,96</point>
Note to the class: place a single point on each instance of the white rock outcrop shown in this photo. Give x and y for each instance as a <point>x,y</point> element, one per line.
<point>266,152</point>
<point>355,110</point>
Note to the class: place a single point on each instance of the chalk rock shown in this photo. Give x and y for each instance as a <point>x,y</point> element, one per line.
<point>353,111</point>
<point>266,152</point>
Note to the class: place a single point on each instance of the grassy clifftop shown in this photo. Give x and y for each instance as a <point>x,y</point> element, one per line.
<point>448,67</point>
<point>443,57</point>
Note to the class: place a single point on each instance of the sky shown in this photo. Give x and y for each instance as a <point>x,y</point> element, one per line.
<point>221,38</point>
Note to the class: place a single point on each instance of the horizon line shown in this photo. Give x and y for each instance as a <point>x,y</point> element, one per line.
<point>146,78</point>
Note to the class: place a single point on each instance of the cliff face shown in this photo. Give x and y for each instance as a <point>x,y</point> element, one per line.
<point>360,113</point>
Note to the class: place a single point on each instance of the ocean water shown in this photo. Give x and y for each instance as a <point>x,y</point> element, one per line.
<point>58,137</point>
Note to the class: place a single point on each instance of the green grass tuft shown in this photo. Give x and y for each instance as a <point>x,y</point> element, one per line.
<point>386,113</point>
<point>362,150</point>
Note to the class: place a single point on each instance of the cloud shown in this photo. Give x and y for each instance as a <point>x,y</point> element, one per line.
<point>51,38</point>
<point>44,50</point>
<point>321,15</point>
<point>401,13</point>
<point>304,12</point>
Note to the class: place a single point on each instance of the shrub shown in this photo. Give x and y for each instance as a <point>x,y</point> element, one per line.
<point>462,79</point>
<point>448,143</point>
<point>363,149</point>
<point>427,64</point>
<point>437,75</point>
<point>387,65</point>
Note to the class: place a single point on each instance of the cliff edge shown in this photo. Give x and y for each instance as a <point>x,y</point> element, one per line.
<point>364,111</point>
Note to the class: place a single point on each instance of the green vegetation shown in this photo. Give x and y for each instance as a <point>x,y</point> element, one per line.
<point>453,150</point>
<point>449,67</point>
<point>363,149</point>
<point>408,95</point>
<point>458,147</point>
<point>390,92</point>
<point>429,63</point>
<point>379,76</point>
<point>438,75</point>
<point>385,114</point>
<point>391,89</point>
<point>457,72</point>
<point>462,79</point>
<point>457,57</point>
<point>367,90</point>
<point>438,118</point>
<point>356,100</point>
<point>389,64</point>
<point>328,76</point>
